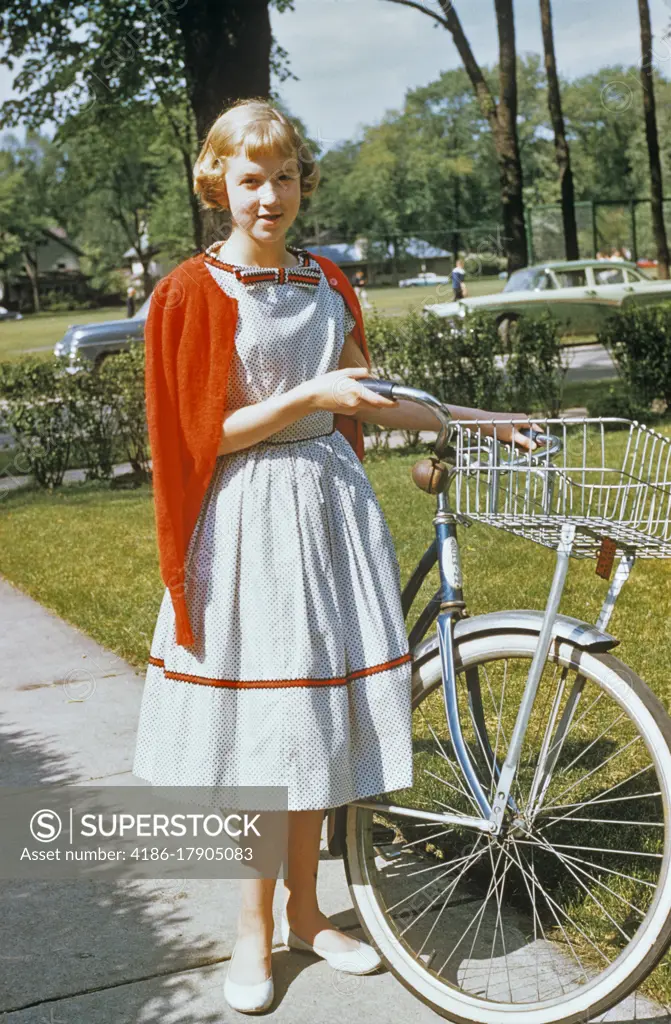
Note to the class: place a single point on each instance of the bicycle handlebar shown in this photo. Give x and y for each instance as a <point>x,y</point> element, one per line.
<point>392,389</point>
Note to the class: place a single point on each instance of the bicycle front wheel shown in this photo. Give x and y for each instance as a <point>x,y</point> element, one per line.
<point>568,909</point>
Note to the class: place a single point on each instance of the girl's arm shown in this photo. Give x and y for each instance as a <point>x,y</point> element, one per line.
<point>407,415</point>
<point>334,391</point>
<point>253,423</point>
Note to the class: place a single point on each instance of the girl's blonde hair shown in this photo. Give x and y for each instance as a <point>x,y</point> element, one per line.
<point>257,128</point>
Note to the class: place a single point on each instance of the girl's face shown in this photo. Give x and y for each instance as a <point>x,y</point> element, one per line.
<point>264,195</point>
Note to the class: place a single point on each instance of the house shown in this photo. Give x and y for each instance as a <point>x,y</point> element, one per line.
<point>156,268</point>
<point>376,259</point>
<point>58,271</point>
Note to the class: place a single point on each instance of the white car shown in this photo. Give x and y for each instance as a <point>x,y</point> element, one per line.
<point>580,294</point>
<point>423,279</point>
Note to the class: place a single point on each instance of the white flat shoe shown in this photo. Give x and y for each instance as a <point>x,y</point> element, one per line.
<point>361,960</point>
<point>249,998</point>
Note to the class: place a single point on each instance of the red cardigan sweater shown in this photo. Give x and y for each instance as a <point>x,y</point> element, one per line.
<point>189,341</point>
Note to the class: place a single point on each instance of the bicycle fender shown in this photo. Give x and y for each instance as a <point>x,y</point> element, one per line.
<point>581,634</point>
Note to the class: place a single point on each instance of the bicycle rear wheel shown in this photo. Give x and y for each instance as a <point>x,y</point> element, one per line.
<point>562,915</point>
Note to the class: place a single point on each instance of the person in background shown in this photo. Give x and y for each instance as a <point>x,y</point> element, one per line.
<point>458,278</point>
<point>360,289</point>
<point>130,301</point>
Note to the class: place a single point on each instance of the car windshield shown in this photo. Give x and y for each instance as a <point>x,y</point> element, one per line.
<point>526,280</point>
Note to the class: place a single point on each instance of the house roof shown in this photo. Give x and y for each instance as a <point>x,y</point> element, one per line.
<point>59,235</point>
<point>344,252</point>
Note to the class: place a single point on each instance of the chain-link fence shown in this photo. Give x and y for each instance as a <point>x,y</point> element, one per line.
<point>603,226</point>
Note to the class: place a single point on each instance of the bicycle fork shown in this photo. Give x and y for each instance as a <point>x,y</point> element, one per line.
<point>452,605</point>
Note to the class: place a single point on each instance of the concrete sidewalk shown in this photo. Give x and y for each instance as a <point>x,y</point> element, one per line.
<point>141,952</point>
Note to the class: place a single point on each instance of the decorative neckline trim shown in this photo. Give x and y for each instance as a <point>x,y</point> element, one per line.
<point>304,273</point>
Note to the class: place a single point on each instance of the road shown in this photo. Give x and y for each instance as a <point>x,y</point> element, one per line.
<point>589,362</point>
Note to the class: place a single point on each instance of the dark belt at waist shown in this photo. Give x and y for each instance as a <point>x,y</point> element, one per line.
<point>295,440</point>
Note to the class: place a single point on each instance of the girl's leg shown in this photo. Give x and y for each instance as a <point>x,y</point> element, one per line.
<point>250,963</point>
<point>303,913</point>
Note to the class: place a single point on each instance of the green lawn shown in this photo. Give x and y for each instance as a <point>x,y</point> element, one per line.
<point>397,301</point>
<point>41,331</point>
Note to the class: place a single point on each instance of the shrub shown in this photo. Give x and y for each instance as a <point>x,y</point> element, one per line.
<point>639,341</point>
<point>97,417</point>
<point>534,368</point>
<point>460,361</point>
<point>614,401</point>
<point>39,415</point>
<point>454,362</point>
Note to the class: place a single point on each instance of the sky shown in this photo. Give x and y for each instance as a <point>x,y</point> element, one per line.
<point>355,59</point>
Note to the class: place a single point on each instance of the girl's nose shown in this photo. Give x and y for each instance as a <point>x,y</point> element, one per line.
<point>269,191</point>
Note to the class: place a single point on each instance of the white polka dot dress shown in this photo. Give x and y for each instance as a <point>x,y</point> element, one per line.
<point>301,674</point>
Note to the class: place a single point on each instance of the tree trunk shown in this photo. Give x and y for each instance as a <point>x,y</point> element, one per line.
<point>227,50</point>
<point>656,184</point>
<point>502,119</point>
<point>30,265</point>
<point>510,165</point>
<point>562,151</point>
<point>456,238</point>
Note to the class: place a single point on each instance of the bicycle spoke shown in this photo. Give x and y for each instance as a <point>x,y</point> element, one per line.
<point>589,893</point>
<point>499,897</point>
<point>588,803</point>
<point>532,900</point>
<point>461,789</point>
<point>553,905</point>
<point>478,913</point>
<point>599,767</point>
<point>598,849</point>
<point>563,771</point>
<point>604,821</point>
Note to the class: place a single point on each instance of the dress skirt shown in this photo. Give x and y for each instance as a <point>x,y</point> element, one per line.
<point>301,674</point>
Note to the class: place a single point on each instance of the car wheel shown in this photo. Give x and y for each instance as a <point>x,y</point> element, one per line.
<point>101,359</point>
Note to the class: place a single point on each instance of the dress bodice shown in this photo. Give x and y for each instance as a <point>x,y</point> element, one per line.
<point>291,328</point>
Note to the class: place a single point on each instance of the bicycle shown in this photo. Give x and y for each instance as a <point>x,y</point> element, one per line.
<point>526,873</point>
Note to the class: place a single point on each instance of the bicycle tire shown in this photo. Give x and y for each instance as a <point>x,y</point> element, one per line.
<point>626,972</point>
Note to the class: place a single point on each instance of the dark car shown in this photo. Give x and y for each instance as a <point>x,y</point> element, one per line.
<point>9,314</point>
<point>95,342</point>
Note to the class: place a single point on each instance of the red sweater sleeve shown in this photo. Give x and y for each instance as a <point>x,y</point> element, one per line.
<point>164,327</point>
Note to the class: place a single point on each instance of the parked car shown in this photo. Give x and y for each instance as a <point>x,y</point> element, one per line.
<point>9,314</point>
<point>579,293</point>
<point>423,279</point>
<point>95,342</point>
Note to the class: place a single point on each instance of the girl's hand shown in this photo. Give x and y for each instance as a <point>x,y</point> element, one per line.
<point>509,433</point>
<point>341,392</point>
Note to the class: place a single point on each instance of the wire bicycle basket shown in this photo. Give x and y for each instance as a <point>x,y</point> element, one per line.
<point>609,483</point>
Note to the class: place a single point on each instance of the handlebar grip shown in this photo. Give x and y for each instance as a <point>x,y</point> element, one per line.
<point>381,387</point>
<point>550,442</point>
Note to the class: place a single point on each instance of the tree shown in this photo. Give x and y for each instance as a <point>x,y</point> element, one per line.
<point>652,137</point>
<point>193,56</point>
<point>501,116</point>
<point>562,151</point>
<point>25,179</point>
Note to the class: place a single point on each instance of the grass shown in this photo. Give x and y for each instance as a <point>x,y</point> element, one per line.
<point>88,553</point>
<point>39,332</point>
<point>398,301</point>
